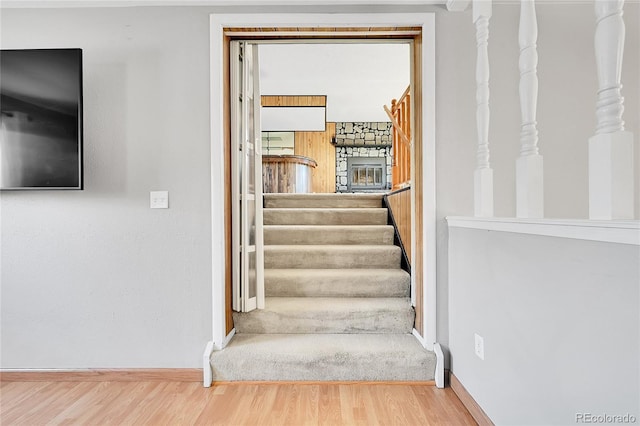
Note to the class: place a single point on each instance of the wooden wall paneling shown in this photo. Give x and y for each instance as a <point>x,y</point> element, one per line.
<point>418,268</point>
<point>318,147</point>
<point>329,33</point>
<point>400,204</point>
<point>293,101</point>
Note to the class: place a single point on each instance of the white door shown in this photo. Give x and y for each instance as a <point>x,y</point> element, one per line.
<point>246,145</point>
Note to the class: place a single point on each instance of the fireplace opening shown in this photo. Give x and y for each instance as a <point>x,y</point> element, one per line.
<point>366,174</point>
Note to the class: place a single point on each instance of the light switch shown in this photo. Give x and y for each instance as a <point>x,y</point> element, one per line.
<point>159,199</point>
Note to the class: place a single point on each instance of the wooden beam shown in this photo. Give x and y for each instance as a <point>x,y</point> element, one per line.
<point>294,101</point>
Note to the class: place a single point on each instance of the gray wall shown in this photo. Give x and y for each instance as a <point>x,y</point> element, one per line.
<point>560,323</point>
<point>99,280</point>
<point>95,278</point>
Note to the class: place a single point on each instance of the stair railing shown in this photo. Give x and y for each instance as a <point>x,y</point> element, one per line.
<point>398,204</point>
<point>400,116</point>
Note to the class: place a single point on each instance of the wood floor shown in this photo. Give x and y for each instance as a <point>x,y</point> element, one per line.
<point>186,403</point>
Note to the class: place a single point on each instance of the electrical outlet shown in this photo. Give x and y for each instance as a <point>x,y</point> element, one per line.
<point>159,199</point>
<point>479,346</point>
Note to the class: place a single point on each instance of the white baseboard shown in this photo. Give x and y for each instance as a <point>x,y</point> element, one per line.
<point>206,357</point>
<point>439,375</point>
<point>228,338</point>
<point>207,373</point>
<point>417,335</point>
<point>100,375</point>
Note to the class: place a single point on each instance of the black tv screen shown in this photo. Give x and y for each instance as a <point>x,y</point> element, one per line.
<point>41,119</point>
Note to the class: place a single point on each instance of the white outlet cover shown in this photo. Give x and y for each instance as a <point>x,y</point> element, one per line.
<point>479,346</point>
<point>159,199</point>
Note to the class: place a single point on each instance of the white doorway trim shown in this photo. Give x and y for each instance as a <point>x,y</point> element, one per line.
<point>218,23</point>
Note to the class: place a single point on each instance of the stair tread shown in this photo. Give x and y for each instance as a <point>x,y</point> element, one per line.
<point>324,357</point>
<point>334,304</point>
<point>337,282</point>
<point>325,209</point>
<point>331,256</point>
<point>332,247</point>
<point>329,227</point>
<point>335,273</point>
<point>319,215</point>
<point>328,234</point>
<point>323,200</point>
<point>328,195</point>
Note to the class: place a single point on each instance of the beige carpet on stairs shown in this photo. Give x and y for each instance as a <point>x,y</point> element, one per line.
<point>337,305</point>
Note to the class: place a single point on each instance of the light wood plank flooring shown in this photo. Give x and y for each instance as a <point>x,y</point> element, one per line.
<point>186,403</point>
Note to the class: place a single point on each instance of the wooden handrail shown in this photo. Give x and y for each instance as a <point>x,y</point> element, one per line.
<point>404,95</point>
<point>397,126</point>
<point>400,116</point>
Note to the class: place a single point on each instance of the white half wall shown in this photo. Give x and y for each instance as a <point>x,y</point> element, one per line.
<point>560,320</point>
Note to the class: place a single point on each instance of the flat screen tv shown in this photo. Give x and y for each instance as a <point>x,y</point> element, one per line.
<point>41,119</point>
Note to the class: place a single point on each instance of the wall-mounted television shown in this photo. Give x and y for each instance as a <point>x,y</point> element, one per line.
<point>41,119</point>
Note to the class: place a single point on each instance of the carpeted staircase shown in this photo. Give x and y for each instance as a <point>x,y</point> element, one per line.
<point>337,302</point>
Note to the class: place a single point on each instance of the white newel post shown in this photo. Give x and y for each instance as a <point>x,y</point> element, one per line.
<point>611,148</point>
<point>483,175</point>
<point>529,166</point>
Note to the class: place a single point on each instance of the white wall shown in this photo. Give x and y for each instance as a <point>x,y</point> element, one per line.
<point>95,278</point>
<point>560,323</point>
<point>358,79</point>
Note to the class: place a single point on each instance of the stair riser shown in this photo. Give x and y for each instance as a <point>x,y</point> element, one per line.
<point>319,285</point>
<point>325,217</point>
<point>335,289</point>
<point>318,235</point>
<point>323,357</point>
<point>380,257</point>
<point>338,367</point>
<point>378,322</point>
<point>322,201</point>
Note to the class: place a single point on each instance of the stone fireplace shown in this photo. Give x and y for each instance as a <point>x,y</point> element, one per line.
<point>366,174</point>
<point>363,156</point>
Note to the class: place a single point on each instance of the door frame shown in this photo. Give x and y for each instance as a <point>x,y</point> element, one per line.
<point>219,131</point>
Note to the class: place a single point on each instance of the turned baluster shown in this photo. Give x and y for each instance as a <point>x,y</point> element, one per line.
<point>529,165</point>
<point>611,148</point>
<point>483,175</point>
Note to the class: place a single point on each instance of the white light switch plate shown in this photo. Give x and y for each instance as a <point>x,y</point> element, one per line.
<point>159,199</point>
